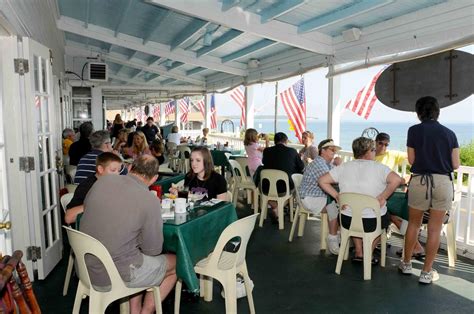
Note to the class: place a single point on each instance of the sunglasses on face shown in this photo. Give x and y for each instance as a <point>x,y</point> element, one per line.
<point>383,144</point>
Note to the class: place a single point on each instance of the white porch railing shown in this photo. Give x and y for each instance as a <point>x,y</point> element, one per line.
<point>463,214</point>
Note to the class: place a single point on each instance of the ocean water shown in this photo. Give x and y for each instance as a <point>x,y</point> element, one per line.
<point>352,129</point>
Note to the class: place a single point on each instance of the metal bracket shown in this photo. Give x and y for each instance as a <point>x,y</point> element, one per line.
<point>21,66</point>
<point>27,163</point>
<point>33,253</point>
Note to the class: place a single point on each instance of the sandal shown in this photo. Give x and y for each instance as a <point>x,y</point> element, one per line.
<point>357,259</point>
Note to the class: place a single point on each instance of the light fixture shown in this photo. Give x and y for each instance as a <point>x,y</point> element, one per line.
<point>207,39</point>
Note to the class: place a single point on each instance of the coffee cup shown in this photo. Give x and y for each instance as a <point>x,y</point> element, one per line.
<point>180,205</point>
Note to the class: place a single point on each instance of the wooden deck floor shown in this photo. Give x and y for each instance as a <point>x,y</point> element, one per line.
<point>297,278</point>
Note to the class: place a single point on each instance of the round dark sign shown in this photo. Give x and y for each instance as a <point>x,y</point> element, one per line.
<point>147,110</point>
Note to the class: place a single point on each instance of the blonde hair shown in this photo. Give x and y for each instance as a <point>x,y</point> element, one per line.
<point>143,146</point>
<point>251,136</point>
<point>118,119</point>
<point>309,134</point>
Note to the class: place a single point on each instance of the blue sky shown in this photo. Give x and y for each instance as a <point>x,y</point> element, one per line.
<point>316,99</point>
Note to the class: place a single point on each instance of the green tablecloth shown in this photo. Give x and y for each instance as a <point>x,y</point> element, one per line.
<point>166,182</point>
<point>220,159</point>
<point>397,204</point>
<point>195,237</point>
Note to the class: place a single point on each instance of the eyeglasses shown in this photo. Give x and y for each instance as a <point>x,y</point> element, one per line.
<point>383,144</point>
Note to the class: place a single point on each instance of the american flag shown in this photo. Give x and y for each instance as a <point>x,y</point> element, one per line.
<point>213,113</point>
<point>184,108</point>
<point>364,101</point>
<point>294,102</point>
<point>156,112</point>
<point>201,105</point>
<point>37,101</point>
<point>169,109</point>
<point>238,95</point>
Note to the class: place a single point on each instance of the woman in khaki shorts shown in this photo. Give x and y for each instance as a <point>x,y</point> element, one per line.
<point>433,152</point>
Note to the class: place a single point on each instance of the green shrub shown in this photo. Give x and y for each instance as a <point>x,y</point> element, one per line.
<point>467,154</point>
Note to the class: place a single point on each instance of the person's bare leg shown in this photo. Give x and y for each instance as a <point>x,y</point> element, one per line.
<point>432,243</point>
<point>136,303</point>
<point>165,287</point>
<point>411,236</point>
<point>397,221</point>
<point>358,247</point>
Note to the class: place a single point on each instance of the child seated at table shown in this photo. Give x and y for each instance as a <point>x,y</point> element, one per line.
<point>202,178</point>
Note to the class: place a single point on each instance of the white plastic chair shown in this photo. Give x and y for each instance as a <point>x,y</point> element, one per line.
<point>273,176</point>
<point>244,164</point>
<point>71,171</point>
<point>83,245</point>
<point>358,202</point>
<point>65,200</point>
<point>184,155</point>
<point>242,181</point>
<point>71,187</point>
<point>302,214</point>
<point>173,155</point>
<point>224,266</point>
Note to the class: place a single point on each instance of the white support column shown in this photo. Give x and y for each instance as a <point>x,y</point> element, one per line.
<point>162,113</point>
<point>96,109</point>
<point>176,113</point>
<point>249,107</point>
<point>207,120</point>
<point>334,108</point>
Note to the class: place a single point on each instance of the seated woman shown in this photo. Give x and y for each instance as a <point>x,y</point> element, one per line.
<point>202,140</point>
<point>202,179</point>
<point>157,150</point>
<point>121,140</point>
<point>309,152</point>
<point>174,136</point>
<point>253,149</point>
<point>362,175</point>
<point>139,146</point>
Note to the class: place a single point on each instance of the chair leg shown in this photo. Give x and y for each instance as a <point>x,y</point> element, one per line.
<point>201,286</point>
<point>249,197</point>
<point>263,215</point>
<point>324,231</point>
<point>451,243</point>
<point>342,249</point>
<point>248,288</point>
<point>157,298</point>
<point>177,296</point>
<point>235,195</point>
<point>124,305</point>
<point>281,216</point>
<point>292,209</point>
<point>367,248</point>
<point>67,279</point>
<point>293,225</point>
<point>78,299</point>
<point>255,201</point>
<point>208,282</point>
<point>303,218</point>
<point>230,289</point>
<point>383,250</point>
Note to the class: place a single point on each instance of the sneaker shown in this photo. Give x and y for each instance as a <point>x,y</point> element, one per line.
<point>405,268</point>
<point>427,277</point>
<point>333,244</point>
<point>240,291</point>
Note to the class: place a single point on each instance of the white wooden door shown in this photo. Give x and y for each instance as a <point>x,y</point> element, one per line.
<point>30,133</point>
<point>42,144</point>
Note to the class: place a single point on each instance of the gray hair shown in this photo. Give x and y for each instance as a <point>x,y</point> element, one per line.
<point>67,132</point>
<point>146,166</point>
<point>98,138</point>
<point>361,145</point>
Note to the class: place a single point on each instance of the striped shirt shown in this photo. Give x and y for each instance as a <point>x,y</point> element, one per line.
<point>86,166</point>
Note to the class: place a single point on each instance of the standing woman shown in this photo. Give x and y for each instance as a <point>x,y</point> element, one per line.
<point>309,152</point>
<point>117,125</point>
<point>433,152</point>
<point>253,149</point>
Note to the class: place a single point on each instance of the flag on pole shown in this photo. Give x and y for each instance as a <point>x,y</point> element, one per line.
<point>184,108</point>
<point>37,101</point>
<point>169,108</point>
<point>156,112</point>
<point>201,105</point>
<point>363,103</point>
<point>294,102</point>
<point>213,113</point>
<point>238,95</point>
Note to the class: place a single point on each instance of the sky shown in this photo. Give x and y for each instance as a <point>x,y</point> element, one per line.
<point>316,86</point>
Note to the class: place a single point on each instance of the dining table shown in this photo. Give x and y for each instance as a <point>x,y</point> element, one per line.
<point>165,180</point>
<point>192,236</point>
<point>220,159</point>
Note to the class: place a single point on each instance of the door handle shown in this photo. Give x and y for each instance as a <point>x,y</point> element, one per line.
<point>5,225</point>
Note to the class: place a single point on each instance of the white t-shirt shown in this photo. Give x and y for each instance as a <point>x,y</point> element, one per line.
<point>361,176</point>
<point>174,138</point>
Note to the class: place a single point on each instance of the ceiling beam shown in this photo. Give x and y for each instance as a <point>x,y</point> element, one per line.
<point>175,65</point>
<point>167,81</point>
<point>341,14</point>
<point>88,13</point>
<point>188,32</point>
<point>133,55</point>
<point>224,39</point>
<point>78,50</point>
<point>136,74</point>
<point>260,45</point>
<point>123,14</point>
<point>195,70</point>
<point>281,8</point>
<point>228,4</point>
<point>157,22</point>
<point>154,61</point>
<point>152,48</point>
<point>152,87</point>
<point>249,22</point>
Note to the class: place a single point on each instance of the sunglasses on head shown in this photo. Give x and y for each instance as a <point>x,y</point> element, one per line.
<point>384,144</point>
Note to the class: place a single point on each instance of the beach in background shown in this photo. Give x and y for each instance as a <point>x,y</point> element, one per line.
<point>352,129</point>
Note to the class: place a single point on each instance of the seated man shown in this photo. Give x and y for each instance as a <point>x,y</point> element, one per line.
<point>107,163</point>
<point>100,142</point>
<point>130,226</point>
<point>315,199</point>
<point>365,176</point>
